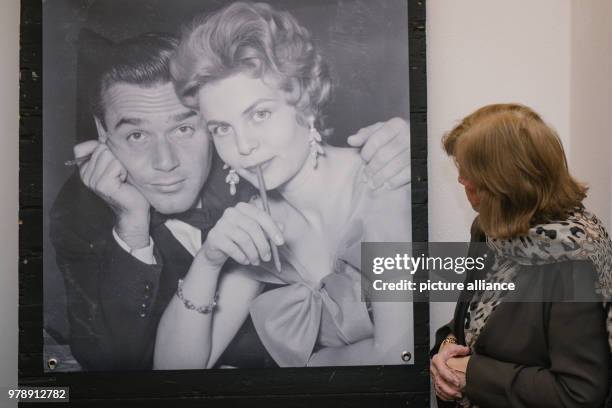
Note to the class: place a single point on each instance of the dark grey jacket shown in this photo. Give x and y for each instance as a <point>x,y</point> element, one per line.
<point>538,354</point>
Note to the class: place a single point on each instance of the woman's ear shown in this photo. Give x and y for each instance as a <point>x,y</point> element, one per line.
<point>102,134</point>
<point>300,99</point>
<point>301,118</point>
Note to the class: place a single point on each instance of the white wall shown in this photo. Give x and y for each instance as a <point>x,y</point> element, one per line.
<point>9,123</point>
<point>480,52</point>
<point>591,102</point>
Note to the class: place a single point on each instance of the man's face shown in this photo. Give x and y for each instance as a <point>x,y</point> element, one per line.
<point>160,142</point>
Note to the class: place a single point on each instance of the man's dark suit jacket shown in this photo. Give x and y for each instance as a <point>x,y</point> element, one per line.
<point>114,301</point>
<point>537,354</point>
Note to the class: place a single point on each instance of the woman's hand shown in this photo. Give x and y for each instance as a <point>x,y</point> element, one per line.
<point>458,363</point>
<point>459,367</point>
<point>447,382</point>
<point>242,234</point>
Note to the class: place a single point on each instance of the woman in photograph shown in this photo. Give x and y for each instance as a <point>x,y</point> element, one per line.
<point>528,354</point>
<point>261,88</point>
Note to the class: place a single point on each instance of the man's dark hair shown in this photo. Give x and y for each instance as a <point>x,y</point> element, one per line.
<point>143,60</point>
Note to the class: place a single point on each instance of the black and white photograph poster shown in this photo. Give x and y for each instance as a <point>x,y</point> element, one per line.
<point>211,169</point>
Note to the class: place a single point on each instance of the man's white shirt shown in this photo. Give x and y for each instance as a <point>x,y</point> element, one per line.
<point>189,236</point>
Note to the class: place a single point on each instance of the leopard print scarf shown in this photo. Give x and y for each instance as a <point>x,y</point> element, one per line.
<point>580,237</point>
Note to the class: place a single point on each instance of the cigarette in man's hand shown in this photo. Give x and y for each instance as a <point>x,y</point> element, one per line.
<point>264,198</point>
<point>77,161</point>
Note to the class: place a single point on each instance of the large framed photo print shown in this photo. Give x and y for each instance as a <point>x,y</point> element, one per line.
<point>197,180</point>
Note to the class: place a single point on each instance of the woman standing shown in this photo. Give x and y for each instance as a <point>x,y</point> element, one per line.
<point>535,354</point>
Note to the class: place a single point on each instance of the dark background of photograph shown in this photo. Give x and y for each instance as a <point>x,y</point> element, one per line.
<point>365,43</point>
<point>367,99</point>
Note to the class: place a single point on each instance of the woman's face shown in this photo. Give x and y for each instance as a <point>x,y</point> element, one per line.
<point>252,124</point>
<point>471,192</point>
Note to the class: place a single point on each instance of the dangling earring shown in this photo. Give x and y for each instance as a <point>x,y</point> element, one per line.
<point>316,148</point>
<point>232,178</point>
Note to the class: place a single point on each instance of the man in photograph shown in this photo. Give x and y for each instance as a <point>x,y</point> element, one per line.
<point>126,226</point>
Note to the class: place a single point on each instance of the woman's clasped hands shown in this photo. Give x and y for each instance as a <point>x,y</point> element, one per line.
<point>448,368</point>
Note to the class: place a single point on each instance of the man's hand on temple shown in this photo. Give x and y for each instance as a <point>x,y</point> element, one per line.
<point>386,150</point>
<point>107,177</point>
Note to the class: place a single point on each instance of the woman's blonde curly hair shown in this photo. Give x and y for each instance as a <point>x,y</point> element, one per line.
<point>255,38</point>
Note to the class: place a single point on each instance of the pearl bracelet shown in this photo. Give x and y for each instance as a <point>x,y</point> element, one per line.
<point>204,309</point>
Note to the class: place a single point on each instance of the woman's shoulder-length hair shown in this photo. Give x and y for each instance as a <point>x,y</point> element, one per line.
<point>518,166</point>
<point>255,38</point>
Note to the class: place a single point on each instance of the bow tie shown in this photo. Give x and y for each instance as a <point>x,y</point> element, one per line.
<point>197,217</point>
